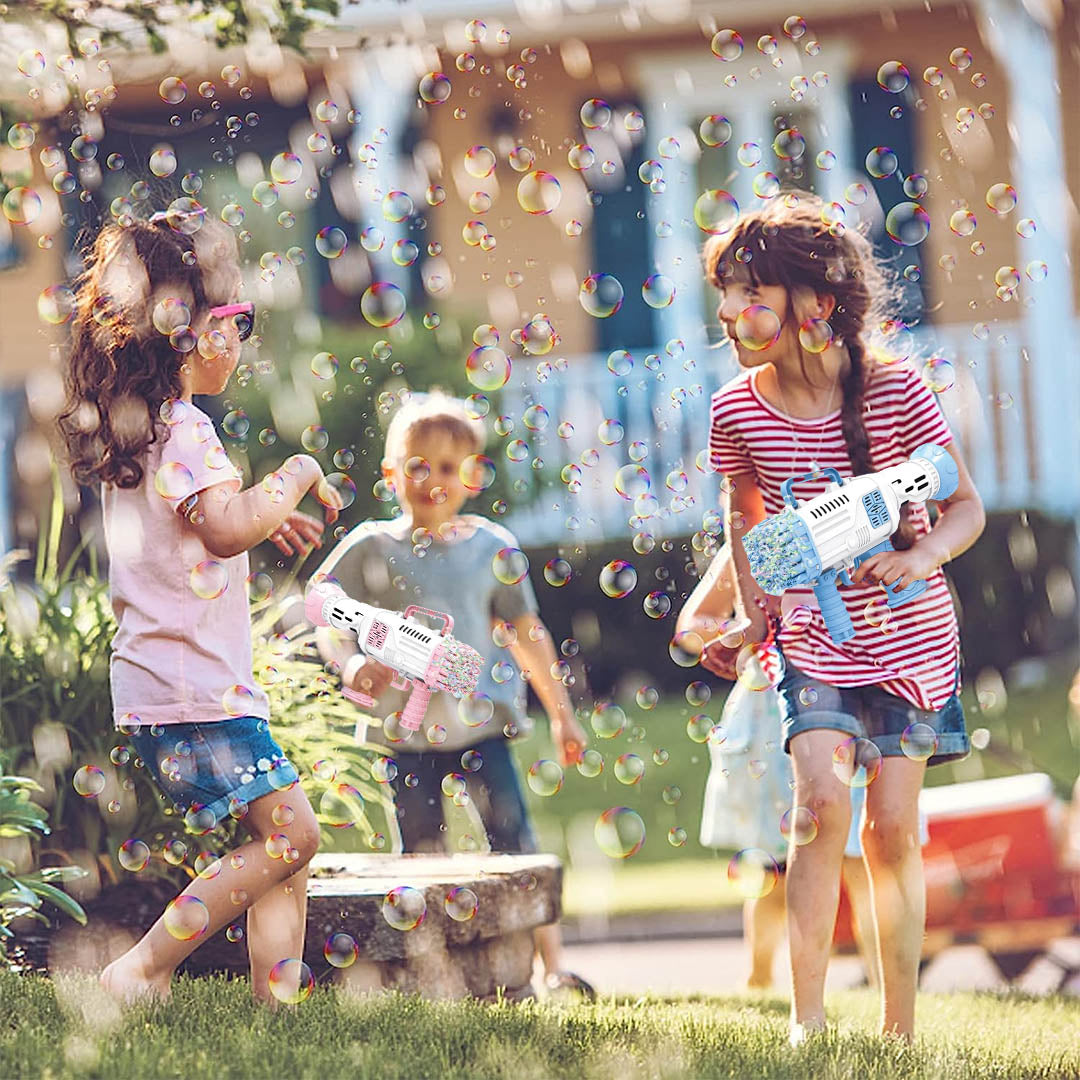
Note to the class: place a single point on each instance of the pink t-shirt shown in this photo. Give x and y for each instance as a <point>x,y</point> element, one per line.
<point>182,653</point>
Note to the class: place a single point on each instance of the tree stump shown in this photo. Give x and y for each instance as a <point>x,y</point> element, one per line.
<point>440,926</point>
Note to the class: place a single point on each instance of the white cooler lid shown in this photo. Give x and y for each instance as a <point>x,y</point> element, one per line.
<point>979,796</point>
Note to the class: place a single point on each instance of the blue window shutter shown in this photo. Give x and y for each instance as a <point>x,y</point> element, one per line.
<point>620,239</point>
<point>872,125</point>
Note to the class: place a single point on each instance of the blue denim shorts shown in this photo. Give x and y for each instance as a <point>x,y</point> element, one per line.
<point>212,768</point>
<point>868,712</point>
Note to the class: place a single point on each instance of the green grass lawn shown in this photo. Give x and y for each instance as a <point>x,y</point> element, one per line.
<point>1032,731</point>
<point>212,1029</point>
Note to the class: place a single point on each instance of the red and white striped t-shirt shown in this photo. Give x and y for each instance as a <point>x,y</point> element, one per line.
<point>915,657</point>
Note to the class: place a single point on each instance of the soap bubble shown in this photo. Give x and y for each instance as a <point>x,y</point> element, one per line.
<point>960,58</point>
<point>962,222</point>
<point>919,742</point>
<point>753,872</point>
<point>88,781</point>
<point>727,45</point>
<point>1001,198</point>
<point>461,903</point>
<point>538,193</point>
<point>545,777</point>
<point>340,950</point>
<point>480,162</point>
<point>893,77</point>
<point>434,88</point>
<point>601,295</point>
<point>172,90</point>
<point>815,335</point>
<point>881,162</point>
<point>799,825</point>
<point>186,918</point>
<point>766,185</point>
<point>907,224</point>
<point>397,206</point>
<point>595,114</point>
<point>291,981</point>
<point>618,578</point>
<point>856,762</point>
<point>608,720</point>
<point>557,572</point>
<point>133,855</point>
<point>487,367</point>
<point>685,648</point>
<point>286,168</point>
<point>716,212</point>
<point>510,565</point>
<point>938,374</point>
<point>715,130</point>
<point>628,769</point>
<point>404,907</point>
<point>331,242</point>
<point>619,832</point>
<point>757,327</point>
<point>383,304</point>
<point>22,206</point>
<point>789,144</point>
<point>31,63</point>
<point>658,291</point>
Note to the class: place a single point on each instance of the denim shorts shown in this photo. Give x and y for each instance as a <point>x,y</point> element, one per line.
<point>212,768</point>
<point>868,712</point>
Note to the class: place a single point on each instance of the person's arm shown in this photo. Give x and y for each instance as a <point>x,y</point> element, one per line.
<point>959,524</point>
<point>535,659</point>
<point>713,598</point>
<point>743,509</point>
<point>230,521</point>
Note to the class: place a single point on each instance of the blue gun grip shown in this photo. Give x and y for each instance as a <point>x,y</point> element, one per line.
<point>837,620</point>
<point>893,598</point>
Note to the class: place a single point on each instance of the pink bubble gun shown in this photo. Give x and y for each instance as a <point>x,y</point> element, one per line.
<point>431,660</point>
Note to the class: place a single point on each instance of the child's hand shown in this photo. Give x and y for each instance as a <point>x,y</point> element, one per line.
<point>892,567</point>
<point>296,533</point>
<point>370,677</point>
<point>331,500</point>
<point>569,738</point>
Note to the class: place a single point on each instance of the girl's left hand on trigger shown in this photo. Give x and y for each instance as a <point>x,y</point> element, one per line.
<point>892,567</point>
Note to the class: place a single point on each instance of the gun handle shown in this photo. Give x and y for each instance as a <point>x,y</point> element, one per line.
<point>412,715</point>
<point>895,598</point>
<point>837,620</point>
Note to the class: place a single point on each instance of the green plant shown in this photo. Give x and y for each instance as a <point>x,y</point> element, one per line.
<point>22,894</point>
<point>56,724</point>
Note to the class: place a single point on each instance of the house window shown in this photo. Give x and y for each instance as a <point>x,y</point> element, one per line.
<point>619,230</point>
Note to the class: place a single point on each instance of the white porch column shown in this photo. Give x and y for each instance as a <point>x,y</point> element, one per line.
<point>384,90</point>
<point>1027,52</point>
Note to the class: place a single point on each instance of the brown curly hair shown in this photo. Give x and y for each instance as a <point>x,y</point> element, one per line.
<point>787,242</point>
<point>122,368</point>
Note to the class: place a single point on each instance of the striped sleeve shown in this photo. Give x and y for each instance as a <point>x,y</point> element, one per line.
<point>922,420</point>
<point>727,448</point>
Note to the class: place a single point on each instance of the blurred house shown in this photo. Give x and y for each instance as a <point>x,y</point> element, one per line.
<point>988,313</point>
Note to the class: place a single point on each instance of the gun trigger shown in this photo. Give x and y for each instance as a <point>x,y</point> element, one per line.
<point>403,684</point>
<point>844,577</point>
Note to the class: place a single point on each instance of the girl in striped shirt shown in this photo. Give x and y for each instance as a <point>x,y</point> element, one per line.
<point>797,298</point>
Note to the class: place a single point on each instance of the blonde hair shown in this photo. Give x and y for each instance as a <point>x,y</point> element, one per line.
<point>423,413</point>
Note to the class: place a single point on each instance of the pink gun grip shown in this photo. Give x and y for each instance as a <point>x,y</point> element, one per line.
<point>359,697</point>
<point>413,714</point>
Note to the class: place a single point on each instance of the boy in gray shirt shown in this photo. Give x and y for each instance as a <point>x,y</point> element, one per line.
<point>469,567</point>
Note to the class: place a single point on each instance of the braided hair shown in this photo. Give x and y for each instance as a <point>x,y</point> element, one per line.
<point>788,243</point>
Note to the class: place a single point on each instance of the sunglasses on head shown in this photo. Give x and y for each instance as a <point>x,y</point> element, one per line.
<point>243,316</point>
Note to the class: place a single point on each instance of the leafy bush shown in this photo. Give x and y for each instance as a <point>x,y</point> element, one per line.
<point>22,894</point>
<point>56,727</point>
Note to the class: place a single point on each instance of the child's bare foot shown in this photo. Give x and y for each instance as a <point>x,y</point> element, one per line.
<point>125,980</point>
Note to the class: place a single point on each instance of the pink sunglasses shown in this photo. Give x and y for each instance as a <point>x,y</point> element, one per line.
<point>243,315</point>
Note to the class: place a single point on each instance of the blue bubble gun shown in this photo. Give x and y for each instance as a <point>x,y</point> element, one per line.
<point>820,541</point>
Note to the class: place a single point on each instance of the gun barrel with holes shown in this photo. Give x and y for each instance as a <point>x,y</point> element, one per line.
<point>822,540</point>
<point>430,659</point>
